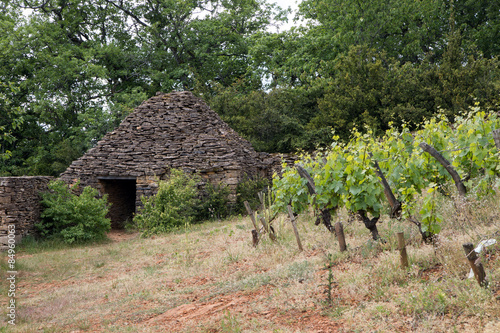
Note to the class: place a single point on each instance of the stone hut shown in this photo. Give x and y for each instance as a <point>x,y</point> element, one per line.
<point>175,130</point>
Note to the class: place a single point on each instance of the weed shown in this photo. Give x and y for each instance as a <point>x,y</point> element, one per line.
<point>84,325</point>
<point>99,264</point>
<point>336,311</point>
<point>254,281</point>
<point>299,271</point>
<point>330,283</point>
<point>143,295</point>
<point>150,270</point>
<point>371,249</point>
<point>382,310</point>
<point>231,258</point>
<point>229,323</point>
<point>112,252</point>
<point>130,226</point>
<point>431,300</point>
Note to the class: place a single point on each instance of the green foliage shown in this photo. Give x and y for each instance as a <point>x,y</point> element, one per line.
<point>62,65</point>
<point>172,207</point>
<point>481,159</point>
<point>273,121</point>
<point>71,72</point>
<point>431,220</point>
<point>74,218</point>
<point>479,23</point>
<point>11,119</point>
<point>181,201</point>
<point>404,28</point>
<point>247,190</point>
<point>344,175</point>
<point>367,88</point>
<point>81,67</point>
<point>214,203</point>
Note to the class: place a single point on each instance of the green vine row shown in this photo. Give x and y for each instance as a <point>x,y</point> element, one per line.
<point>345,175</point>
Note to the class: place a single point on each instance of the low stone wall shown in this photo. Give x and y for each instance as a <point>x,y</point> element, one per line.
<point>20,204</point>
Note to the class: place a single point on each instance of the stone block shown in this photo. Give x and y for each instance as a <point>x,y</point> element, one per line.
<point>5,199</point>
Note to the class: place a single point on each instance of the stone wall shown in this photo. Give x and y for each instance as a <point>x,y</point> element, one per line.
<point>20,204</point>
<point>274,162</point>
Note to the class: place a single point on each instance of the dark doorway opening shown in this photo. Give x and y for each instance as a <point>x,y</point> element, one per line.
<point>121,195</point>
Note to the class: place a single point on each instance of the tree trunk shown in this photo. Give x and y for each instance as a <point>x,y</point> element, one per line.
<point>339,231</point>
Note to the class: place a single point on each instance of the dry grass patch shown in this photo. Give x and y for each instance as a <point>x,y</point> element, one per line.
<point>209,278</point>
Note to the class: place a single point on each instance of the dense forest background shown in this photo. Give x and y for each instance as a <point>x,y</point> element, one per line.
<point>71,70</point>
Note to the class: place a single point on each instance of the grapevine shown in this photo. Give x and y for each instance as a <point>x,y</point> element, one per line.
<point>345,175</point>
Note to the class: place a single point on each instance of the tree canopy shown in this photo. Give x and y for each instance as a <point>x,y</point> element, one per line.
<point>70,71</point>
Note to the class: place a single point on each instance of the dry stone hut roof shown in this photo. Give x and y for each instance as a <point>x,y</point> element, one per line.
<point>175,130</point>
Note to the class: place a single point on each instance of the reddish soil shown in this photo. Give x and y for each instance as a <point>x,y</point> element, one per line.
<point>239,304</point>
<point>202,310</point>
<point>209,314</point>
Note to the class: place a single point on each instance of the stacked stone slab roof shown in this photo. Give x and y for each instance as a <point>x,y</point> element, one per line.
<point>175,130</point>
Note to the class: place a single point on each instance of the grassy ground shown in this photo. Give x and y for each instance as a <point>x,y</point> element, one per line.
<point>210,279</point>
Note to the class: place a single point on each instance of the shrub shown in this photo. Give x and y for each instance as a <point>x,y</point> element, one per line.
<point>173,206</point>
<point>248,191</point>
<point>214,202</point>
<point>74,218</point>
<point>179,203</point>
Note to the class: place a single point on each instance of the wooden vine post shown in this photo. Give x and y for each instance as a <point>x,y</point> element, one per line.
<point>476,264</point>
<point>255,238</point>
<point>339,231</point>
<point>255,232</point>
<point>402,249</point>
<point>268,229</point>
<point>496,137</point>
<point>444,162</point>
<point>292,219</point>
